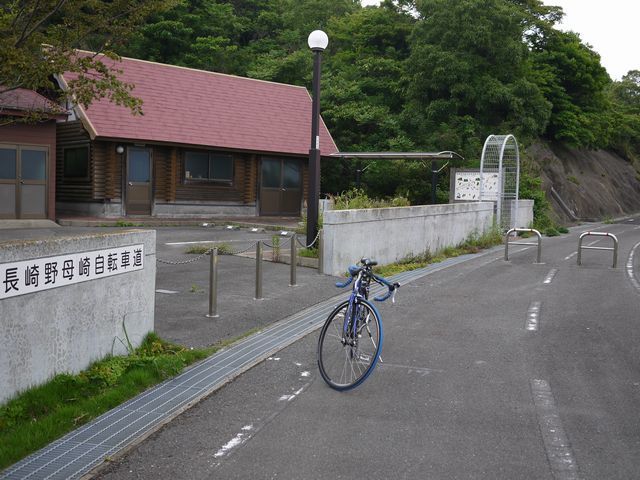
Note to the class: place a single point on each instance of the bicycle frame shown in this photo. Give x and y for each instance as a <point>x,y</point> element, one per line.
<point>360,290</point>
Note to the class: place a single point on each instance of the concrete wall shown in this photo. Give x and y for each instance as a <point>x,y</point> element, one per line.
<point>524,214</point>
<point>390,234</point>
<point>64,329</point>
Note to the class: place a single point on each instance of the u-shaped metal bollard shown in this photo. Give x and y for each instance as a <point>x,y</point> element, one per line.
<point>599,234</point>
<point>532,230</point>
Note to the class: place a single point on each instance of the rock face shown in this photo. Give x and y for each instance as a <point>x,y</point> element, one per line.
<point>584,184</point>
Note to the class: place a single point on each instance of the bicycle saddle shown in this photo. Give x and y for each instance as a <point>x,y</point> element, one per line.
<point>367,262</point>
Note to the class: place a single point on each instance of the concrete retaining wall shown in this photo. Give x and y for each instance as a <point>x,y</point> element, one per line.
<point>390,234</point>
<point>64,329</point>
<point>524,215</point>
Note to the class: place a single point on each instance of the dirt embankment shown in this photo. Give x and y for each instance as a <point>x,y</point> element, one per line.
<point>586,184</point>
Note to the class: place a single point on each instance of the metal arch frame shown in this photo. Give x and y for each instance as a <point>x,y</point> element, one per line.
<point>499,197</point>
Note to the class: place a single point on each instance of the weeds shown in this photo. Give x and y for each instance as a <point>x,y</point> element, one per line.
<point>275,241</point>
<point>357,199</point>
<point>201,249</point>
<point>308,252</point>
<point>473,244</point>
<point>41,414</point>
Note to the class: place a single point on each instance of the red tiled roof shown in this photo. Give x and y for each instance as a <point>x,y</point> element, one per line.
<point>24,100</point>
<point>196,107</point>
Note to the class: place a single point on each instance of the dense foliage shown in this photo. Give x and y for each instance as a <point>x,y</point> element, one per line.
<point>407,75</point>
<point>412,75</point>
<point>38,39</point>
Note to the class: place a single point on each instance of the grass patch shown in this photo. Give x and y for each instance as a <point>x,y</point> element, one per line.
<point>42,414</point>
<point>473,244</point>
<point>308,252</point>
<point>200,249</point>
<point>357,199</point>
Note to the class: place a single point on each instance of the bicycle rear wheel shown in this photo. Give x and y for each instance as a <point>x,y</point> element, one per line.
<point>346,360</point>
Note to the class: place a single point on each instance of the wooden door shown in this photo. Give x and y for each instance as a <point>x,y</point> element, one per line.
<point>280,186</point>
<point>138,189</point>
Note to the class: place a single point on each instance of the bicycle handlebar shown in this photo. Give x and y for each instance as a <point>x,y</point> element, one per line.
<point>355,270</point>
<point>391,293</point>
<point>342,285</point>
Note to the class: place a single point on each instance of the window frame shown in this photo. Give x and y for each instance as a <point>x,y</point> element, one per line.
<point>228,182</point>
<point>66,148</point>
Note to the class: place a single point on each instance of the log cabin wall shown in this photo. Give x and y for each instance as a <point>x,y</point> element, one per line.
<point>194,191</point>
<point>70,135</point>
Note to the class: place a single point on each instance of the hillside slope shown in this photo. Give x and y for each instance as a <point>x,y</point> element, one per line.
<point>586,184</point>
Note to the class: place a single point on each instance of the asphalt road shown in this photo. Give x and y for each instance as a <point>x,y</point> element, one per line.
<point>491,370</point>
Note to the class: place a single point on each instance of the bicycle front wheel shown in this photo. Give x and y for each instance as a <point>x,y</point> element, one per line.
<point>348,355</point>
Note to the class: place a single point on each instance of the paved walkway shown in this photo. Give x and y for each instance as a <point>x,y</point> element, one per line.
<point>285,315</point>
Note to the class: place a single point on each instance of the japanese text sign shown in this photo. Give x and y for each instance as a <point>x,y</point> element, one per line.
<point>38,274</point>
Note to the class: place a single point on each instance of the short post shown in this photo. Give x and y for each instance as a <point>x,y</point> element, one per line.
<point>258,271</point>
<point>294,261</point>
<point>213,284</point>
<point>320,251</point>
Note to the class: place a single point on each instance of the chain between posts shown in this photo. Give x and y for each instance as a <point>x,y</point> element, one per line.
<point>312,243</point>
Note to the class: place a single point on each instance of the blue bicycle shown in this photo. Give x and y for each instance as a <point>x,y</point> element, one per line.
<point>351,338</point>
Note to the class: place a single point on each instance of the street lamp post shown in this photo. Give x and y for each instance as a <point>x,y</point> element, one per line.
<point>317,41</point>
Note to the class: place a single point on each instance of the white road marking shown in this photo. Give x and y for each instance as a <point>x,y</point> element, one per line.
<point>159,290</point>
<point>205,241</point>
<point>559,453</point>
<point>239,439</point>
<point>587,245</point>
<point>549,278</point>
<point>533,316</point>
<point>632,277</point>
<point>422,371</point>
<point>305,374</point>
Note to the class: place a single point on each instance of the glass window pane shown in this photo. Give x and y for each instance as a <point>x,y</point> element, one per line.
<point>7,163</point>
<point>270,173</point>
<point>196,166</point>
<point>76,162</point>
<point>222,167</point>
<point>291,178</point>
<point>139,166</point>
<point>33,164</point>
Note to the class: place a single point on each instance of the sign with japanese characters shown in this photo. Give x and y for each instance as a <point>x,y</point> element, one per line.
<point>38,274</point>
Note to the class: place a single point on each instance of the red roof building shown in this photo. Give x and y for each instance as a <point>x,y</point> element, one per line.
<point>27,154</point>
<point>206,144</point>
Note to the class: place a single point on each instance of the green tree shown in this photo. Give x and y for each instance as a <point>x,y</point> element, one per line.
<point>39,38</point>
<point>467,75</point>
<point>571,77</point>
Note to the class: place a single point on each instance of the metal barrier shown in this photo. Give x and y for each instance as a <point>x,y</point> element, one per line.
<point>258,271</point>
<point>599,234</point>
<point>213,284</point>
<point>530,230</point>
<point>215,251</point>
<point>293,260</point>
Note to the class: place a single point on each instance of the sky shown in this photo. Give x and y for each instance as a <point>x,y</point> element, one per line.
<point>610,28</point>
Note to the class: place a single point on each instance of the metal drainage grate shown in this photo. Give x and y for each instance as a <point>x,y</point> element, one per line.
<point>81,450</point>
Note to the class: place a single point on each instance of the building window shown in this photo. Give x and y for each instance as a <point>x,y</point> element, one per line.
<point>208,166</point>
<point>76,163</point>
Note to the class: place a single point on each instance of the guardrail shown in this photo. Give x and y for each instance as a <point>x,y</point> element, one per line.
<point>529,230</point>
<point>599,234</point>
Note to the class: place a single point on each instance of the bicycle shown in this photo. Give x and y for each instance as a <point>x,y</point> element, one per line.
<point>345,357</point>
